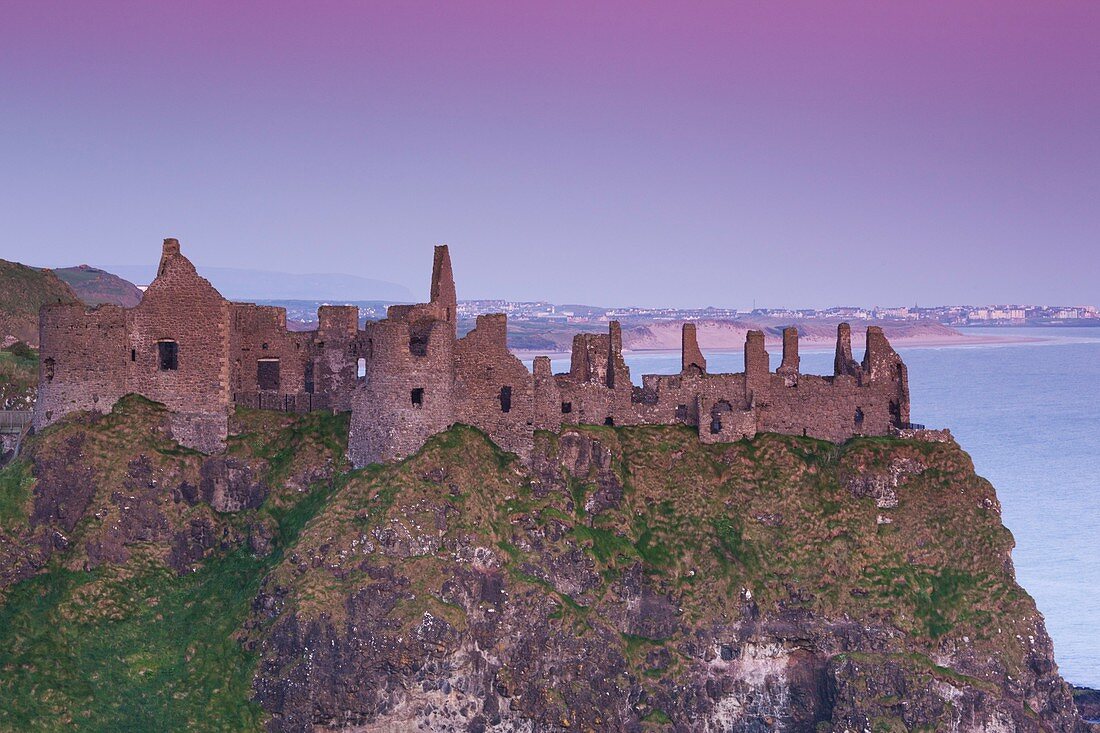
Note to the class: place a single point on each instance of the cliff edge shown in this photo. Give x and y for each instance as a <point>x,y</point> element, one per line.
<point>630,579</point>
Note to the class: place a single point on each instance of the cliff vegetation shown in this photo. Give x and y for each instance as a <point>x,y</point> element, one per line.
<point>18,377</point>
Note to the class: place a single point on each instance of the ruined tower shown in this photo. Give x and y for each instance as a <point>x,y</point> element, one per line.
<point>406,393</point>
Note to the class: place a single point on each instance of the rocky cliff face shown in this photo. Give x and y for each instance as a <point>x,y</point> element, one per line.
<point>631,579</point>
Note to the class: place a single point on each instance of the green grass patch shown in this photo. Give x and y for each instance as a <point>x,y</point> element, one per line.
<point>603,543</point>
<point>15,494</point>
<point>658,716</point>
<point>169,663</point>
<point>136,647</point>
<point>18,377</point>
<point>578,491</point>
<point>651,547</point>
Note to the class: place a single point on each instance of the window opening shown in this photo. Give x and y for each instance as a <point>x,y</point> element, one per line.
<point>267,374</point>
<point>168,353</point>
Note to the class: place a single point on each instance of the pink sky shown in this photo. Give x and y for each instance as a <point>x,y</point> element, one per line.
<point>791,153</point>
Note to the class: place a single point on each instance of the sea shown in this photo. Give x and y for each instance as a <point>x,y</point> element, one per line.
<point>1027,410</point>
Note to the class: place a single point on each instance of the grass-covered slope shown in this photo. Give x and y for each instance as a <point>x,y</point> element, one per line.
<point>23,290</point>
<point>128,620</point>
<point>631,579</point>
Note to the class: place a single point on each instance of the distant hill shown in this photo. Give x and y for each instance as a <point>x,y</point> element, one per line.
<point>96,287</point>
<point>23,290</point>
<point>251,285</point>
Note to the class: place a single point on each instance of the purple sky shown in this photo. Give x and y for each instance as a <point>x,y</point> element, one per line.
<point>795,153</point>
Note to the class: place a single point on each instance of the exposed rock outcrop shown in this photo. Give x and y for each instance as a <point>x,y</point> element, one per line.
<point>750,587</point>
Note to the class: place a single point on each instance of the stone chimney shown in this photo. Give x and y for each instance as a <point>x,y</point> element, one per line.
<point>170,249</point>
<point>844,364</point>
<point>757,366</point>
<point>789,368</point>
<point>443,293</point>
<point>691,357</point>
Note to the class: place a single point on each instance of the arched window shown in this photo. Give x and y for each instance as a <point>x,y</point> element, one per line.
<point>361,368</point>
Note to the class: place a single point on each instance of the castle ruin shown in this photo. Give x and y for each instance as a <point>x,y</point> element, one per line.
<point>409,375</point>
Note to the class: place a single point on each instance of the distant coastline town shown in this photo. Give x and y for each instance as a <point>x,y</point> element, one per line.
<point>951,315</point>
<point>546,327</point>
<point>543,326</point>
<point>948,315</point>
<point>303,309</point>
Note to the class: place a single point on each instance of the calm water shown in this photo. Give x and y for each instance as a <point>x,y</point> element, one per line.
<point>1029,415</point>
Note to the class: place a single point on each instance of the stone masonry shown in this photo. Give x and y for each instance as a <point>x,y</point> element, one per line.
<point>409,375</point>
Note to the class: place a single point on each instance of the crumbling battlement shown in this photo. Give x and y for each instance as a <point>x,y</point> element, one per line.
<point>409,376</point>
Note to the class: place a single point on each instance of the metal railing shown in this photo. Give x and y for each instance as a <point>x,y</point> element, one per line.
<point>912,426</point>
<point>13,421</point>
<point>293,402</point>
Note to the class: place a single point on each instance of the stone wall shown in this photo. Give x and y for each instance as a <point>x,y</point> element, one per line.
<point>84,360</point>
<point>493,389</point>
<point>91,357</point>
<point>184,309</point>
<point>407,397</point>
<point>218,350</point>
<point>338,347</point>
<point>862,399</point>
<point>407,394</point>
<point>407,377</point>
<point>261,343</point>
